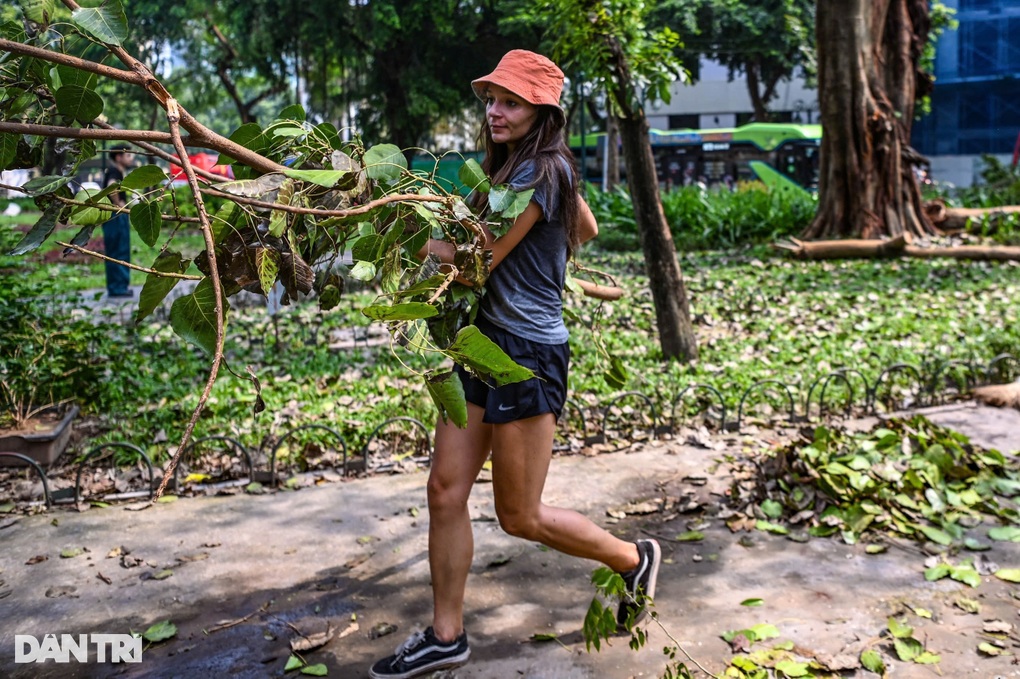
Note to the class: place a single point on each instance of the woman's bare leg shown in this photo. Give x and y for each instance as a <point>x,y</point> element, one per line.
<point>521,452</point>
<point>458,457</point>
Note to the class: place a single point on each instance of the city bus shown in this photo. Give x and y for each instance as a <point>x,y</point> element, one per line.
<point>719,157</point>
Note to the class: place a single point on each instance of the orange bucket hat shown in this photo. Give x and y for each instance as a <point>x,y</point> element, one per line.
<point>530,76</point>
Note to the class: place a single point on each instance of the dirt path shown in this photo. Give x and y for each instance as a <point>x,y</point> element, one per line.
<point>312,559</point>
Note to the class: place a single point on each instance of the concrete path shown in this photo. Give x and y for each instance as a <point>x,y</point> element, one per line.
<point>248,571</point>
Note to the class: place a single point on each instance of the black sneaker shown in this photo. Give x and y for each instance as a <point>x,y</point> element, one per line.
<point>640,583</point>
<point>420,654</point>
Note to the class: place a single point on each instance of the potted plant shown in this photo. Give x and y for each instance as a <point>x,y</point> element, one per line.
<point>47,360</point>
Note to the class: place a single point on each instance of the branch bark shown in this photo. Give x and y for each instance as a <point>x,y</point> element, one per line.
<point>173,118</point>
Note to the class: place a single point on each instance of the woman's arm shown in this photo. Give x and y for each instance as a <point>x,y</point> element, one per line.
<point>587,227</point>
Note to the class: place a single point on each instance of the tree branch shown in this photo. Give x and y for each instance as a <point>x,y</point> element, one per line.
<point>89,133</point>
<point>100,255</point>
<point>67,60</point>
<point>319,212</point>
<point>173,117</point>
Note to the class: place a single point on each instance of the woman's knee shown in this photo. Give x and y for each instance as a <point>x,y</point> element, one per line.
<point>446,495</point>
<point>519,523</point>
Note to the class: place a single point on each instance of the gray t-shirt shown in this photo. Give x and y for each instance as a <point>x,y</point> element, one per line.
<point>524,294</point>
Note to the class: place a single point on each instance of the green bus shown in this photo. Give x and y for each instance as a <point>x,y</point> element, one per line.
<point>719,157</point>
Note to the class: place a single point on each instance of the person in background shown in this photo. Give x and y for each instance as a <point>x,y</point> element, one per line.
<point>117,231</point>
<point>522,312</point>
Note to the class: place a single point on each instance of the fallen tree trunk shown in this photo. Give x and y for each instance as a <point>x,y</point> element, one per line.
<point>959,218</point>
<point>894,247</point>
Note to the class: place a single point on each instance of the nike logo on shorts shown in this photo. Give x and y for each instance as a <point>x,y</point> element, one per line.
<point>506,408</point>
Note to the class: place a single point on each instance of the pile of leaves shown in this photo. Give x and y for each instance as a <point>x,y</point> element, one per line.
<point>907,478</point>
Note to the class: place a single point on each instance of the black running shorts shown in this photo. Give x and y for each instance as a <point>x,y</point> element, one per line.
<point>544,393</point>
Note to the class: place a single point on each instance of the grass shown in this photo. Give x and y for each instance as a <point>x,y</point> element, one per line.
<point>78,272</point>
<point>757,316</point>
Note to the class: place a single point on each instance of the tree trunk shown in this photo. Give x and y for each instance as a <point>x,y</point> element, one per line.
<point>868,73</point>
<point>672,314</point>
<point>612,177</point>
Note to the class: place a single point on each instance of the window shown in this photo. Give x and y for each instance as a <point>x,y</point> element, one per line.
<point>979,47</point>
<point>684,121</point>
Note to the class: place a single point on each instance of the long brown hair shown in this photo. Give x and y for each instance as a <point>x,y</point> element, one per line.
<point>546,145</point>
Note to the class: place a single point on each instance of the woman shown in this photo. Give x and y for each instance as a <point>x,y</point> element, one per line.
<point>522,312</point>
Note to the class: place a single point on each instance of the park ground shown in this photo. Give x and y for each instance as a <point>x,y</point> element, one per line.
<point>249,574</point>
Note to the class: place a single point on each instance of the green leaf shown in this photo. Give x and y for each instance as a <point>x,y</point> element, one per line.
<point>39,11</point>
<point>872,662</point>
<point>876,549</point>
<point>690,536</point>
<point>1008,574</point>
<point>928,658</point>
<point>990,649</point>
<point>250,136</point>
<point>501,198</point>
<point>385,162</point>
<point>764,631</point>
<point>405,311</point>
<point>1005,533</point>
<point>937,572</point>
<point>935,535</point>
<point>79,103</point>
<point>770,527</point>
<point>908,649</point>
<point>71,552</point>
<point>363,271</point>
<point>253,188</point>
<point>88,215</point>
<point>106,22</point>
<point>319,670</point>
<point>161,631</point>
<point>753,602</point>
<point>193,316</point>
<point>791,668</point>
<point>46,184</point>
<point>156,288</point>
<point>967,575</point>
<point>147,221</point>
<point>293,112</point>
<point>69,75</point>
<point>447,393</point>
<point>473,176</point>
<point>40,231</point>
<point>293,663</point>
<point>772,509</point>
<point>477,352</point>
<point>143,177</point>
<point>325,178</point>
<point>8,149</point>
<point>518,205</point>
<point>899,630</point>
<point>268,265</point>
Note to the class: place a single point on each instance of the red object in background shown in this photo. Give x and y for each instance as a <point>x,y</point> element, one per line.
<point>1016,150</point>
<point>203,161</point>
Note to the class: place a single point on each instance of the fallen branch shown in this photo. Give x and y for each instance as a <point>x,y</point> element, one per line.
<point>610,293</point>
<point>960,219</point>
<point>894,247</point>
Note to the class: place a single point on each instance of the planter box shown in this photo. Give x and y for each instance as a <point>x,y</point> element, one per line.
<point>44,447</point>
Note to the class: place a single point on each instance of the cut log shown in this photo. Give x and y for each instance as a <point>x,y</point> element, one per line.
<point>844,249</point>
<point>959,219</point>
<point>894,247</point>
<point>610,293</point>
<point>1000,395</point>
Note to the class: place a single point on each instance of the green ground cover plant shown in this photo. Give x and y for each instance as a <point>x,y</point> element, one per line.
<point>758,317</point>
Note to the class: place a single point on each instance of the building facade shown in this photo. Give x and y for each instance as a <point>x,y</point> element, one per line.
<point>976,103</point>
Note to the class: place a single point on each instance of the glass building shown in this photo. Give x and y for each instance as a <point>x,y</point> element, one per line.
<point>976,102</point>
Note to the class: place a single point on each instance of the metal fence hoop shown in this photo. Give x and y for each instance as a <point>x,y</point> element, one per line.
<point>826,380</point>
<point>219,437</point>
<point>895,368</point>
<point>762,383</point>
<point>38,470</point>
<point>572,405</point>
<point>416,424</point>
<point>695,388</point>
<point>648,402</point>
<point>990,372</point>
<point>105,446</point>
<point>305,427</point>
